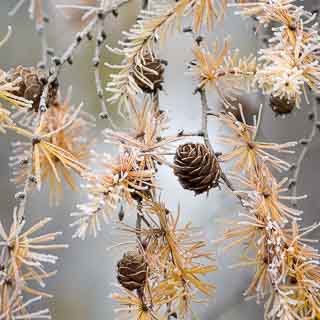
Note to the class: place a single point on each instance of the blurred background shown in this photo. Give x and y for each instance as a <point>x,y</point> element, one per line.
<point>87,270</point>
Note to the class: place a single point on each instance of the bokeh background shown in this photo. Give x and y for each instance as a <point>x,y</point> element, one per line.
<point>87,270</point>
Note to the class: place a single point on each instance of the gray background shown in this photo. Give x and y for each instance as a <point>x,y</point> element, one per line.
<point>86,270</point>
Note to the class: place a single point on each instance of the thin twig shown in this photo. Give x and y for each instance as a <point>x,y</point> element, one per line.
<point>30,179</point>
<point>143,218</point>
<point>36,11</point>
<point>204,119</point>
<point>44,47</point>
<point>305,143</point>
<point>204,133</point>
<point>42,32</point>
<point>23,195</point>
<point>139,221</point>
<point>100,39</point>
<point>15,9</point>
<point>155,99</point>
<point>183,133</point>
<point>36,14</point>
<point>67,56</point>
<point>6,37</point>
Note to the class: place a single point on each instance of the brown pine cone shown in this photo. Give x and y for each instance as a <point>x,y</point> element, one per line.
<point>281,105</point>
<point>155,76</point>
<point>132,271</point>
<point>196,167</point>
<point>31,84</point>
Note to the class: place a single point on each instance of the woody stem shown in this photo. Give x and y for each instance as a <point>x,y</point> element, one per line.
<point>305,148</point>
<point>204,118</point>
<point>139,221</point>
<point>205,135</point>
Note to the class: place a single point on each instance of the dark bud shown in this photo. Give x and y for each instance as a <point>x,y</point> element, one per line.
<point>99,41</point>
<point>187,29</point>
<point>56,60</point>
<point>20,195</point>
<point>193,63</point>
<point>43,80</point>
<point>95,62</point>
<point>46,19</point>
<point>121,214</point>
<point>70,60</point>
<point>104,115</point>
<point>78,37</point>
<point>33,179</point>
<point>198,40</point>
<point>8,281</point>
<point>293,167</point>
<point>304,142</point>
<point>311,116</point>
<point>164,62</point>
<point>293,280</point>
<point>89,36</point>
<point>43,108</point>
<point>292,26</point>
<point>197,90</point>
<point>55,83</point>
<point>101,15</point>
<point>103,35</point>
<point>41,65</point>
<point>35,140</point>
<point>100,93</point>
<point>266,194</point>
<point>50,51</point>
<point>292,183</point>
<point>24,162</point>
